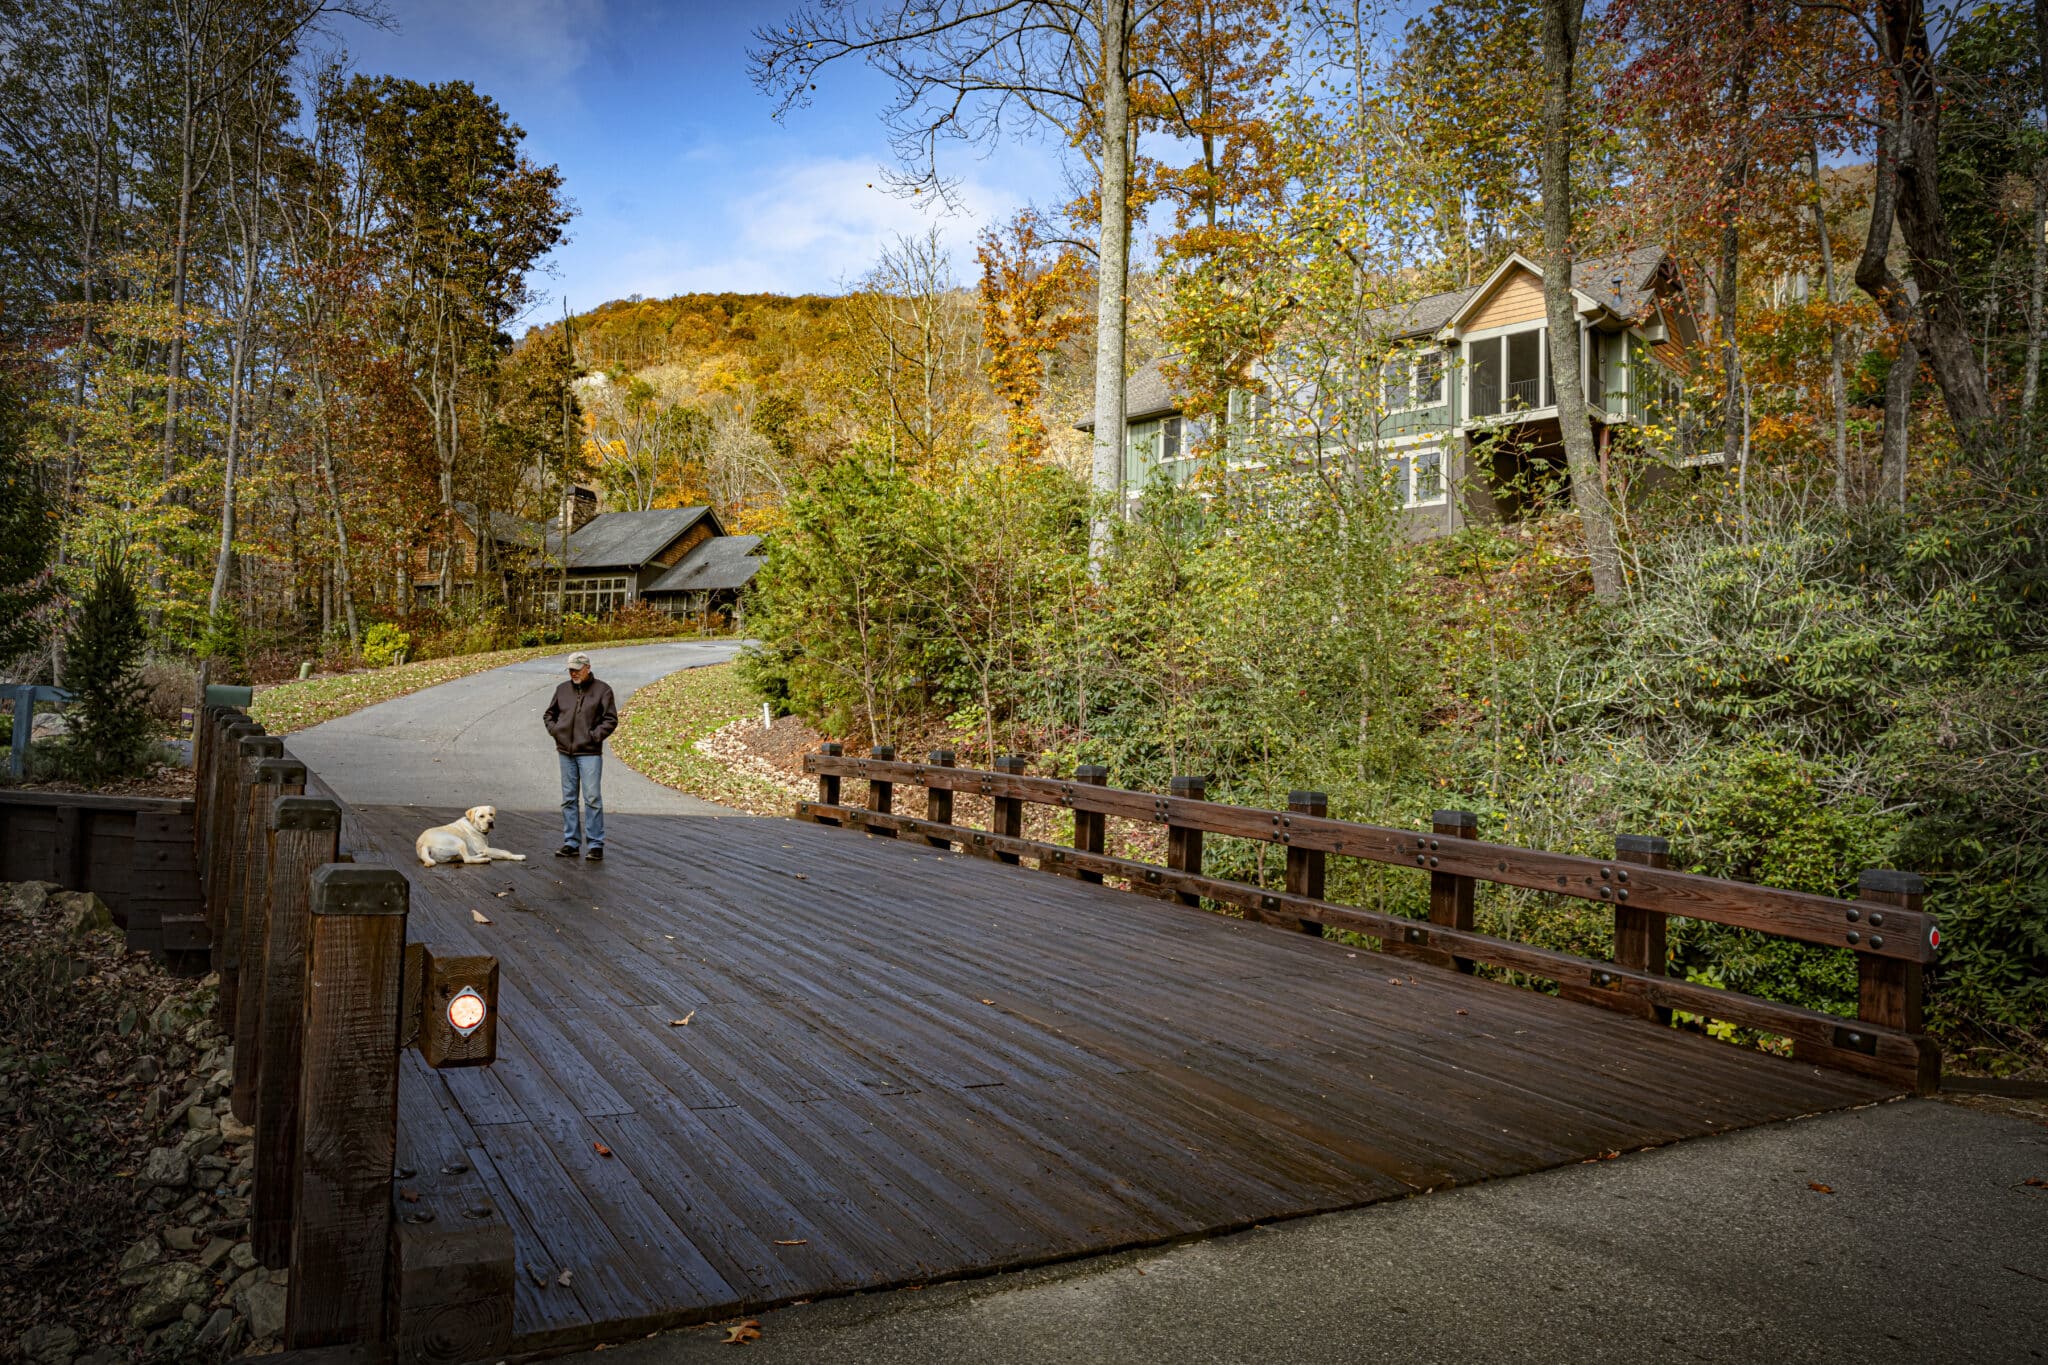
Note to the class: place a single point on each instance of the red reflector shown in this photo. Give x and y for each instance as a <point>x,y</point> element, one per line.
<point>466,1012</point>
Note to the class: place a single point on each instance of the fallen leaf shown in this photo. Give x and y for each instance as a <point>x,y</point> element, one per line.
<point>1393,981</point>
<point>480,917</point>
<point>795,1242</point>
<point>740,1335</point>
<point>1464,1011</point>
<point>678,1023</point>
<point>2036,1182</point>
<point>801,876</point>
<point>504,893</point>
<point>988,1002</point>
<point>1819,1188</point>
<point>409,1196</point>
<point>601,1149</point>
<point>564,1277</point>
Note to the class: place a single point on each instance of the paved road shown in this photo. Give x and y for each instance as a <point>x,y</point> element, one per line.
<point>478,741</point>
<point>1930,1247</point>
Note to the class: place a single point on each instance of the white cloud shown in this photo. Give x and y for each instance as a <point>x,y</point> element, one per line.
<point>511,49</point>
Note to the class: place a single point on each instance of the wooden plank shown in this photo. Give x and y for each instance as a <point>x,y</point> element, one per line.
<point>452,1252</point>
<point>248,930</point>
<point>348,1096</point>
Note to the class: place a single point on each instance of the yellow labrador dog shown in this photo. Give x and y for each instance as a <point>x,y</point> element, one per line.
<point>464,841</point>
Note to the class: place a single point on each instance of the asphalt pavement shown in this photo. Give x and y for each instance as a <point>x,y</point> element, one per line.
<point>478,741</point>
<point>1906,1232</point>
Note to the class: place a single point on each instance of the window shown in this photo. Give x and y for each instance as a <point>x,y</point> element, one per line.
<point>1396,372</point>
<point>1169,439</point>
<point>596,594</point>
<point>1413,379</point>
<point>1416,477</point>
<point>1429,378</point>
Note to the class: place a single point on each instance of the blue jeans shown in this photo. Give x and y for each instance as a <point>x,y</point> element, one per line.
<point>584,772</point>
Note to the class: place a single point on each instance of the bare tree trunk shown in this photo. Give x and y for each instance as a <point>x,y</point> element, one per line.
<point>343,587</point>
<point>1902,31</point>
<point>252,275</point>
<point>1838,389</point>
<point>1874,277</point>
<point>1589,495</point>
<point>2034,296</point>
<point>1113,269</point>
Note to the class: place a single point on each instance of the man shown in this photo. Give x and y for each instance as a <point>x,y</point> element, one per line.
<point>580,717</point>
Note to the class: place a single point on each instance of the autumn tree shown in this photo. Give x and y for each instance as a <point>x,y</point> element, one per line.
<point>1028,293</point>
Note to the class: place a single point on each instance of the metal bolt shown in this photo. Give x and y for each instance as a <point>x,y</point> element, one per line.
<point>478,1211</point>
<point>1622,875</point>
<point>1606,892</point>
<point>1421,859</point>
<point>1606,873</point>
<point>1434,844</point>
<point>420,1216</point>
<point>1855,915</point>
<point>1432,862</point>
<point>403,1173</point>
<point>1876,918</point>
<point>455,1168</point>
<point>1856,1038</point>
<point>1855,937</point>
<point>1877,940</point>
<point>1622,894</point>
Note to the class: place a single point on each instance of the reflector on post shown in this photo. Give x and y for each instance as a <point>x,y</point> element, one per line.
<point>458,1010</point>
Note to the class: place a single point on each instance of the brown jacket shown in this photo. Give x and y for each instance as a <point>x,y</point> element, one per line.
<point>582,716</point>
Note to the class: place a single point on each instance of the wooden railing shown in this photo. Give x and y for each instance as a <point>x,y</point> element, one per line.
<point>1892,937</point>
<point>320,993</point>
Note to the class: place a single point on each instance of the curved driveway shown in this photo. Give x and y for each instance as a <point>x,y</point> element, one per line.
<point>478,741</point>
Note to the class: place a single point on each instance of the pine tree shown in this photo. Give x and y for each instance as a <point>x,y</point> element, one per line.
<point>28,529</point>
<point>110,725</point>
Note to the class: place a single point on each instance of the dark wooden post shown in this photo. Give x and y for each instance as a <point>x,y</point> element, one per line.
<point>243,978</point>
<point>938,801</point>
<point>348,1106</point>
<point>828,783</point>
<point>1184,843</point>
<point>305,833</point>
<point>1450,896</point>
<point>1891,991</point>
<point>882,793</point>
<point>250,750</point>
<point>1305,865</point>
<point>1007,816</point>
<point>219,800</point>
<point>1090,826</point>
<point>202,760</point>
<point>1639,935</point>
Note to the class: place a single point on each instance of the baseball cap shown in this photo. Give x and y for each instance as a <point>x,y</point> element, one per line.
<point>579,660</point>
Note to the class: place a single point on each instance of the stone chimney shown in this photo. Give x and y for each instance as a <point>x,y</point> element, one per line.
<point>579,505</point>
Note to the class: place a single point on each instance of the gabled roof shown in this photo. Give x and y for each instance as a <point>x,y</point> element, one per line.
<point>1147,394</point>
<point>627,540</point>
<point>719,563</point>
<point>504,526</point>
<point>1622,283</point>
<point>1418,317</point>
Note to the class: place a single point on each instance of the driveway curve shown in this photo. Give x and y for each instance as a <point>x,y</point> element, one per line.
<point>478,741</point>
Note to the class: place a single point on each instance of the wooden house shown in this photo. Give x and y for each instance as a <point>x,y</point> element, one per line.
<point>1465,407</point>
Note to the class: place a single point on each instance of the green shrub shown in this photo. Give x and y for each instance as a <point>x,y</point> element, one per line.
<point>110,733</point>
<point>224,645</point>
<point>383,643</point>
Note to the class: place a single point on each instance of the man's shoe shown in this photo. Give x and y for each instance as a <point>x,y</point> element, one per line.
<point>566,851</point>
<point>596,855</point>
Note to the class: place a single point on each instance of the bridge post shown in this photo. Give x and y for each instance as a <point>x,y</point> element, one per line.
<point>882,794</point>
<point>1639,934</point>
<point>1891,990</point>
<point>1183,843</point>
<point>244,793</point>
<point>243,977</point>
<point>305,832</point>
<point>220,802</point>
<point>1008,814</point>
<point>348,1106</point>
<point>1089,825</point>
<point>1450,895</point>
<point>828,783</point>
<point>938,801</point>
<point>1305,866</point>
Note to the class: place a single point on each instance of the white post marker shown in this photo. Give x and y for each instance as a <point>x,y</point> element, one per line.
<point>767,721</point>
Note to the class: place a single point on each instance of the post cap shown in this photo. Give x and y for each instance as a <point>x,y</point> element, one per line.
<point>304,812</point>
<point>1641,843</point>
<point>1308,803</point>
<point>260,746</point>
<point>829,747</point>
<point>1463,819</point>
<point>1188,786</point>
<point>1013,763</point>
<point>281,772</point>
<point>229,694</point>
<point>885,752</point>
<point>942,757</point>
<point>358,889</point>
<point>240,729</point>
<point>1091,772</point>
<point>1898,883</point>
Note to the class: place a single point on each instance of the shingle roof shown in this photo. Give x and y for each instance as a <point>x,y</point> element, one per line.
<point>627,540</point>
<point>1147,394</point>
<point>506,527</point>
<point>1418,317</point>
<point>719,563</point>
<point>1622,282</point>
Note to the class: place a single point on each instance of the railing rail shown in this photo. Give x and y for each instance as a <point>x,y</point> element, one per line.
<point>1892,937</point>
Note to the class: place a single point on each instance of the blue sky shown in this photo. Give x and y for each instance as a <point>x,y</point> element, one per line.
<point>681,179</point>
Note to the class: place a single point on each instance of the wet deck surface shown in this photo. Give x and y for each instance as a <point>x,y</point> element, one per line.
<point>903,1065</point>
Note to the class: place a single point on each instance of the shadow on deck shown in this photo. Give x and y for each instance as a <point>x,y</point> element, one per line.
<point>902,1065</point>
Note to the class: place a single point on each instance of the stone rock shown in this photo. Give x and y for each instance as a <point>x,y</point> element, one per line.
<point>202,1120</point>
<point>253,1276</point>
<point>201,1144</point>
<point>216,1252</point>
<point>125,1022</point>
<point>234,1130</point>
<point>263,1305</point>
<point>162,1297</point>
<point>30,898</point>
<point>194,1314</point>
<point>176,1016</point>
<point>143,1071</point>
<point>242,1256</point>
<point>182,1239</point>
<point>173,1342</point>
<point>101,1357</point>
<point>218,1328</point>
<point>82,913</point>
<point>148,1251</point>
<point>167,1168</point>
<point>50,1345</point>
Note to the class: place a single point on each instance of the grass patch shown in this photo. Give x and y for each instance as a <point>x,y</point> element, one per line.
<point>301,705</point>
<point>662,722</point>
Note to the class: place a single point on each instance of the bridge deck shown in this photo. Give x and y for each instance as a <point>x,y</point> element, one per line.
<point>902,1065</point>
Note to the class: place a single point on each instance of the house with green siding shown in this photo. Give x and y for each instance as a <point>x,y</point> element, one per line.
<point>1464,415</point>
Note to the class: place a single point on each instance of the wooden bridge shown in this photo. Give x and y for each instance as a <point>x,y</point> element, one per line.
<point>746,1062</point>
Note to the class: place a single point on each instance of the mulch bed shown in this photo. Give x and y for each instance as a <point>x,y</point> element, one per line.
<point>175,783</point>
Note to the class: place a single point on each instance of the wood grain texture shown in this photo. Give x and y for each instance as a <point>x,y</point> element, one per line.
<point>348,1097</point>
<point>902,1064</point>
